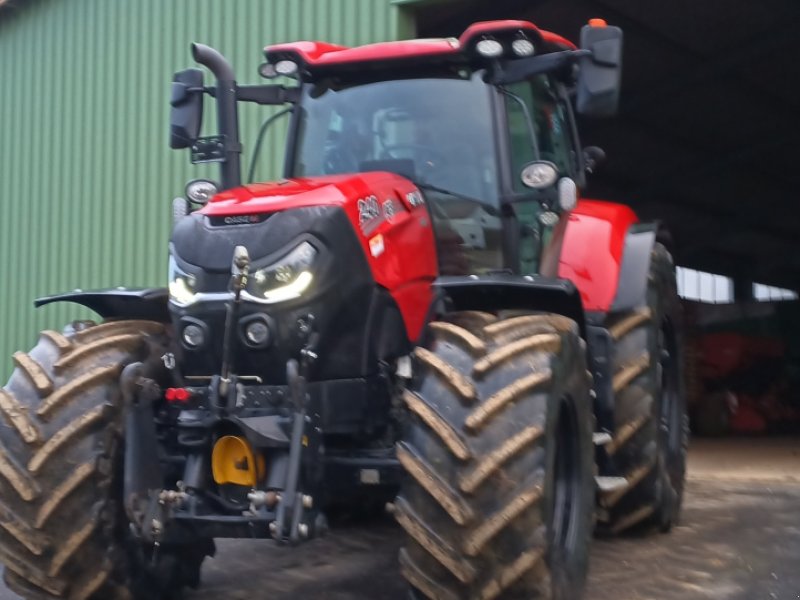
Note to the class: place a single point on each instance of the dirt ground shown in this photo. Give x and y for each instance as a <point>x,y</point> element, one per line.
<point>739,540</point>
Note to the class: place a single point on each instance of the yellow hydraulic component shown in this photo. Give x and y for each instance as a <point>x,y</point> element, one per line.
<point>233,461</point>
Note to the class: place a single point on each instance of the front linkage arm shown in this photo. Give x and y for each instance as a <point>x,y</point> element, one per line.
<point>148,505</point>
<point>287,526</point>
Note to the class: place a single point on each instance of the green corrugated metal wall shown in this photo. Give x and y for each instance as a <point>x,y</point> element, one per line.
<point>86,178</point>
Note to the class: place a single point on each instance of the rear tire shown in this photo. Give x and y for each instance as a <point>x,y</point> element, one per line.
<point>63,532</point>
<point>652,427</point>
<point>499,497</point>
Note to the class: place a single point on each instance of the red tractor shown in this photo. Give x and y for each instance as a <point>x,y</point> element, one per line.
<point>421,313</point>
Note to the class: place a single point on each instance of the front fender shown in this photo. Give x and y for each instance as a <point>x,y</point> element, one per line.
<point>510,292</point>
<point>118,303</point>
<point>606,254</point>
<point>635,268</point>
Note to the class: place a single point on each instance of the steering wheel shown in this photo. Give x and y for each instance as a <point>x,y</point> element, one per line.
<point>340,158</point>
<point>426,159</point>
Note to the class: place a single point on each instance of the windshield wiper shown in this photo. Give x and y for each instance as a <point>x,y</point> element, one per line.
<point>429,187</point>
<point>528,120</point>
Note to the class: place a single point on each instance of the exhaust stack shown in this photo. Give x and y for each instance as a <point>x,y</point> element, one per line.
<point>227,112</point>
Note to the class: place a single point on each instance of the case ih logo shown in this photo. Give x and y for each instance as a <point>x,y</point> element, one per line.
<point>238,220</point>
<point>243,220</point>
<point>369,214</point>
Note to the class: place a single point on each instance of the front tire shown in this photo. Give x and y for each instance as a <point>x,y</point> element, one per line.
<point>499,497</point>
<point>63,532</point>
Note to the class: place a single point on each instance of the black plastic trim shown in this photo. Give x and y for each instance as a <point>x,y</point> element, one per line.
<point>506,291</point>
<point>133,303</point>
<point>601,346</point>
<point>516,70</point>
<point>632,285</point>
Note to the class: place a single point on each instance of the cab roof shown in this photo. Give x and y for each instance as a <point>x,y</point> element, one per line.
<point>325,58</point>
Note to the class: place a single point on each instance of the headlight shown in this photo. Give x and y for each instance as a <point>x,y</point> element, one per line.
<point>539,174</point>
<point>286,279</point>
<point>181,284</point>
<point>489,48</point>
<point>200,191</point>
<point>523,47</point>
<point>193,335</point>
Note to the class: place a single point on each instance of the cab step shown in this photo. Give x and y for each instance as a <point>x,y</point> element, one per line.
<point>601,438</point>
<point>608,485</point>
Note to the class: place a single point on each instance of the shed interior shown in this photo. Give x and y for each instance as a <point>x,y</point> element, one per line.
<point>705,143</point>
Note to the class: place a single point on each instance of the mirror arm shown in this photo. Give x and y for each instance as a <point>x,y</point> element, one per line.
<point>268,94</point>
<point>518,70</point>
<point>604,63</point>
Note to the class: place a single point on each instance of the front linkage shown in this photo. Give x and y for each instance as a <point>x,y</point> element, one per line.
<point>282,508</point>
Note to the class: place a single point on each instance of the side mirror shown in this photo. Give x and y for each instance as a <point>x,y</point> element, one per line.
<point>600,70</point>
<point>187,108</point>
<point>592,157</point>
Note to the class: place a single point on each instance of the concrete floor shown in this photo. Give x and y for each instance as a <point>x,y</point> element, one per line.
<point>739,539</point>
<point>737,542</point>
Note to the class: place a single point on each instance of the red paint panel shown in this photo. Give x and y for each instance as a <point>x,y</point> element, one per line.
<point>591,256</point>
<point>288,193</point>
<point>309,52</point>
<point>318,54</point>
<point>397,238</point>
<point>321,54</point>
<point>495,27</point>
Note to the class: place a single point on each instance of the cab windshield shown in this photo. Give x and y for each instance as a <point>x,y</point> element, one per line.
<point>436,132</point>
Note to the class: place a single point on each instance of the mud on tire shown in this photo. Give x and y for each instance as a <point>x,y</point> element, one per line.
<point>499,495</point>
<point>60,529</point>
<point>652,427</point>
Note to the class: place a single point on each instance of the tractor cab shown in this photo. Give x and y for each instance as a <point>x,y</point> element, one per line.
<point>482,125</point>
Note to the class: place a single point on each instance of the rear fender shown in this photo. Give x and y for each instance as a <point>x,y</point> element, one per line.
<point>509,292</point>
<point>119,303</point>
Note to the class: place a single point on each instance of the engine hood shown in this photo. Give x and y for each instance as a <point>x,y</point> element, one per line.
<point>374,222</point>
<point>330,190</point>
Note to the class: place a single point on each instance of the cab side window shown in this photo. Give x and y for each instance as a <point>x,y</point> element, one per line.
<point>550,124</point>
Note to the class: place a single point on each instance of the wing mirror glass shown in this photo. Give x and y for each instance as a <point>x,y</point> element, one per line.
<point>186,114</point>
<point>600,74</point>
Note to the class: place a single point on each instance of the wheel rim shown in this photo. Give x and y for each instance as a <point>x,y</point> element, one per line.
<point>566,483</point>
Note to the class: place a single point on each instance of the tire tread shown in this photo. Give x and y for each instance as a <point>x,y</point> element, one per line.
<point>469,455</point>
<point>63,422</point>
